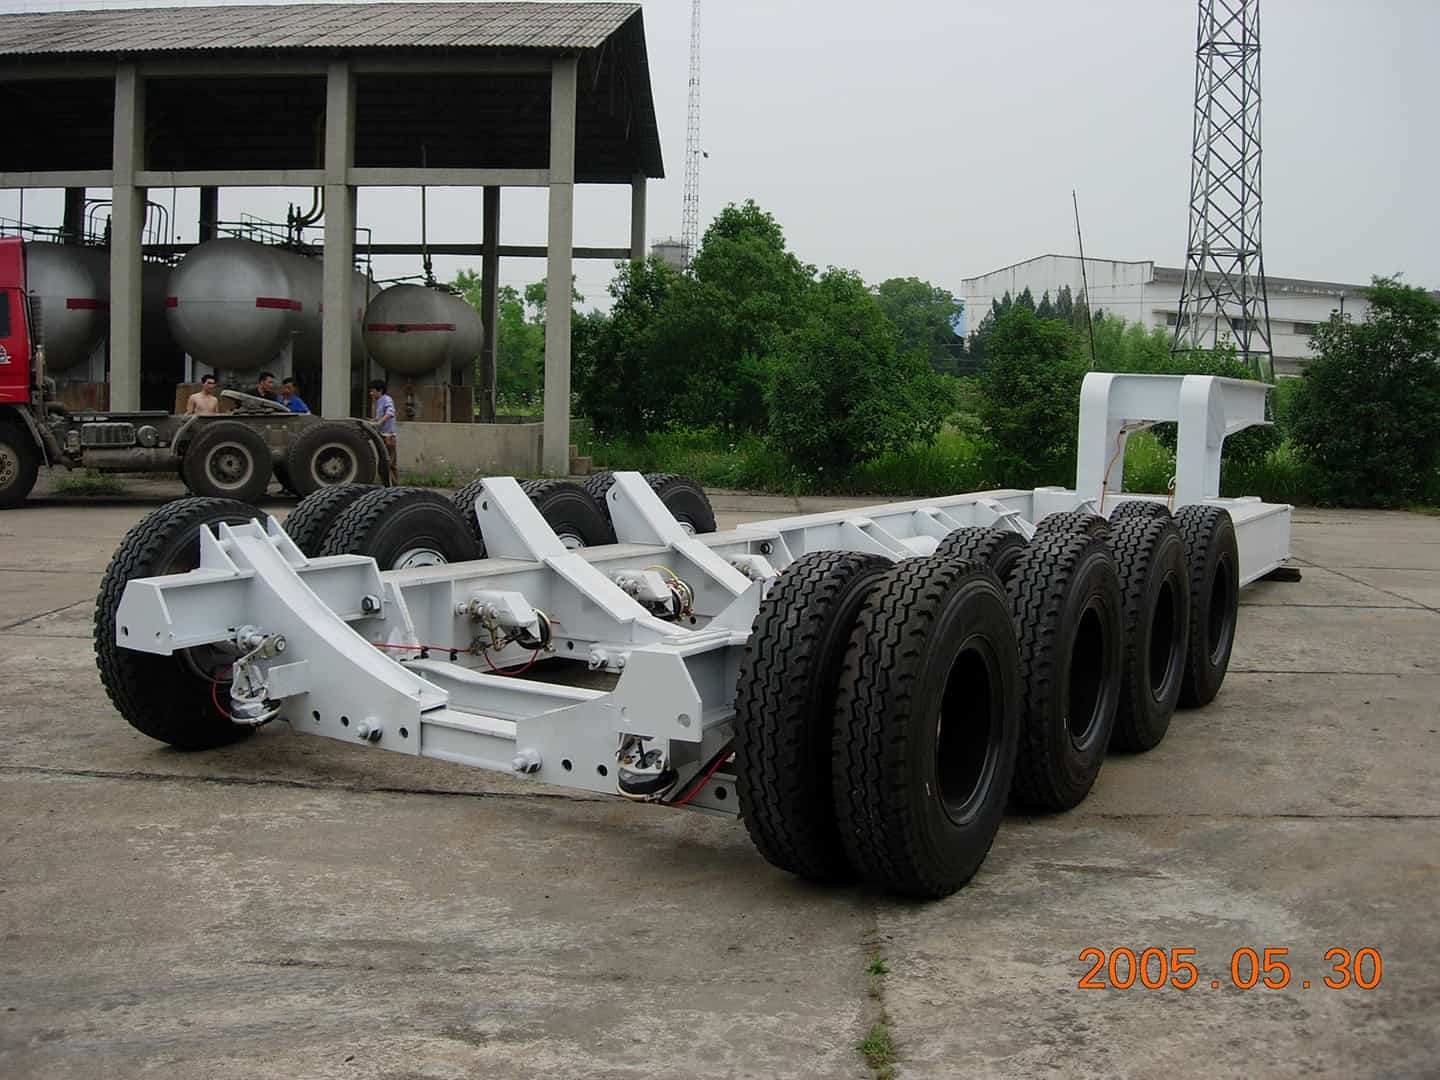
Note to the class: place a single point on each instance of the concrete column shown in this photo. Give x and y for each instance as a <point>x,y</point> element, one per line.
<point>209,213</point>
<point>489,307</point>
<point>637,217</point>
<point>74,220</point>
<point>560,243</point>
<point>127,221</point>
<point>340,210</point>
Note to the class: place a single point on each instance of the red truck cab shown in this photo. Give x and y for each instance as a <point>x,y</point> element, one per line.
<point>15,342</point>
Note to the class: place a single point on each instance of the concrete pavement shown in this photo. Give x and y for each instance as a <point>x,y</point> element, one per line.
<point>296,907</point>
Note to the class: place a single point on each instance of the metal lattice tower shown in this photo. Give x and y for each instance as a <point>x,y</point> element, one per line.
<point>1224,292</point>
<point>690,228</point>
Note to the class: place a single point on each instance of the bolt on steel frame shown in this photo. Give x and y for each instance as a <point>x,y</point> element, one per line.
<point>321,636</point>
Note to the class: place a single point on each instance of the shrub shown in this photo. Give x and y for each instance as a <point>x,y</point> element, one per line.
<point>1365,414</point>
<point>842,392</point>
<point>1030,403</point>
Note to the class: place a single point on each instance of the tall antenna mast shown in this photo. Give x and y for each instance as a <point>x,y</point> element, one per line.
<point>1224,294</point>
<point>690,228</point>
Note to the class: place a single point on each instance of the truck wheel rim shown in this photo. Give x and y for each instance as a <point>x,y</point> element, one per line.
<point>9,466</point>
<point>422,556</point>
<point>230,466</point>
<point>335,464</point>
<point>571,541</point>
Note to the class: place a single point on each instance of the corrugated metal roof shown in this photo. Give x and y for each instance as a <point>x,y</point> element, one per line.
<point>314,26</point>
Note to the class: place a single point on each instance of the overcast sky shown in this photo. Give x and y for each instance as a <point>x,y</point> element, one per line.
<point>942,138</point>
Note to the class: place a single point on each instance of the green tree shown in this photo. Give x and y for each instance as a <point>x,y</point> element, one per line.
<point>844,390</point>
<point>922,312</point>
<point>1029,409</point>
<point>1366,413</point>
<point>623,380</point>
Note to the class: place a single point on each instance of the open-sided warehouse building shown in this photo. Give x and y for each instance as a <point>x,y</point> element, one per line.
<point>335,97</point>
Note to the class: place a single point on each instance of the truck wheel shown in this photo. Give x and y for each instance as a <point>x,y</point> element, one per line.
<point>785,709</point>
<point>1139,508</point>
<point>576,518</point>
<point>1155,615</point>
<point>227,459</point>
<point>464,501</point>
<point>597,486</point>
<point>402,528</point>
<point>926,726</point>
<point>308,523</point>
<point>282,474</point>
<point>1214,563</point>
<point>685,499</point>
<point>19,465</point>
<point>169,698</point>
<point>1065,596</point>
<point>1080,522</point>
<point>999,549</point>
<point>328,455</point>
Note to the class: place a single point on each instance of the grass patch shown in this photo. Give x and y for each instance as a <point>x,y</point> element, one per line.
<point>447,477</point>
<point>878,1050</point>
<point>877,966</point>
<point>89,483</point>
<point>949,464</point>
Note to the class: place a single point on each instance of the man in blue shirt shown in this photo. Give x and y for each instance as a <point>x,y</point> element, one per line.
<point>290,397</point>
<point>384,419</point>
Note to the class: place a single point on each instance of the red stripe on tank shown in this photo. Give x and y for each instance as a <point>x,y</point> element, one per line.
<point>172,301</point>
<point>86,303</point>
<point>408,328</point>
<point>277,302</point>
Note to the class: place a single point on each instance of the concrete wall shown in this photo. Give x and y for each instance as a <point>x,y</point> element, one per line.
<point>497,449</point>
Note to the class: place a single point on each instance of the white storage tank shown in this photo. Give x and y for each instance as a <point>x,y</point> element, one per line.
<point>414,329</point>
<point>237,305</point>
<point>74,303</point>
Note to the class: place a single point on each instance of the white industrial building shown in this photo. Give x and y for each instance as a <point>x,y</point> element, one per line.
<point>1149,294</point>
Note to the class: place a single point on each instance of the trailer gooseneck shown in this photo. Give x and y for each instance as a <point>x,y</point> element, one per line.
<point>865,688</point>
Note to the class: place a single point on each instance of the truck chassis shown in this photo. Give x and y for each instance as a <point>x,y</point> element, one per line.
<point>786,670</point>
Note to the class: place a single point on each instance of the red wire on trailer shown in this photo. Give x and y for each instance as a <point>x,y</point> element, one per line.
<point>720,759</point>
<point>215,697</point>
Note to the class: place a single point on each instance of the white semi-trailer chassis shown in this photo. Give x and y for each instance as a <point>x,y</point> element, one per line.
<point>436,660</point>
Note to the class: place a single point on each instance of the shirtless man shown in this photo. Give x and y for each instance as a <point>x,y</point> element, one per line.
<point>203,402</point>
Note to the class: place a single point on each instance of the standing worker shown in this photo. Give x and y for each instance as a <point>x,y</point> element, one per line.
<point>203,402</point>
<point>384,419</point>
<point>265,386</point>
<point>290,397</point>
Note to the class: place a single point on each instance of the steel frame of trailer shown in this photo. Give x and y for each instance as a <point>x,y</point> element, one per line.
<point>402,660</point>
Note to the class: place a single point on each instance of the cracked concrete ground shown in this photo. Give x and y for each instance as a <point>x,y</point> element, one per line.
<point>297,907</point>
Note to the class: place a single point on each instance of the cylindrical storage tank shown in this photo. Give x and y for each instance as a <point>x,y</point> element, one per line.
<point>234,304</point>
<point>73,302</point>
<point>413,330</point>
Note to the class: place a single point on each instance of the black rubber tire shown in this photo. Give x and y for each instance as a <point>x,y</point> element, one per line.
<point>1139,508</point>
<point>1065,596</point>
<point>387,523</point>
<point>1079,522</point>
<point>230,446</point>
<point>571,512</point>
<point>1155,614</point>
<point>19,465</point>
<point>597,486</point>
<point>785,710</point>
<point>927,722</point>
<point>1214,561</point>
<point>464,501</point>
<point>330,454</point>
<point>685,499</point>
<point>164,697</point>
<point>310,521</point>
<point>999,549</point>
